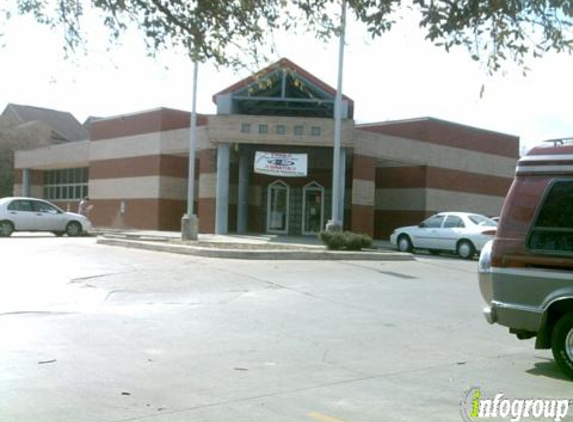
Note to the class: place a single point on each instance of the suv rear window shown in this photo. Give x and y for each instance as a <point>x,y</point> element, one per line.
<point>553,228</point>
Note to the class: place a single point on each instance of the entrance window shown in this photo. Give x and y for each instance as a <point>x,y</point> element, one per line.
<point>277,207</point>
<point>312,208</point>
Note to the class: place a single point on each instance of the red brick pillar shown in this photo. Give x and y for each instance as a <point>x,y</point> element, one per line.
<point>207,190</point>
<point>363,194</point>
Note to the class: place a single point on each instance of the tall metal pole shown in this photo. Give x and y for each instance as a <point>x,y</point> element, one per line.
<point>192,143</point>
<point>189,222</point>
<point>335,222</point>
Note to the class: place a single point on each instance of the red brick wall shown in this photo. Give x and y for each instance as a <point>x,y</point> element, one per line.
<point>450,134</point>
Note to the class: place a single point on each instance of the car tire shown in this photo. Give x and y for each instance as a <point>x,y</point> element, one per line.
<point>404,243</point>
<point>562,344</point>
<point>73,229</point>
<point>6,228</point>
<point>466,249</point>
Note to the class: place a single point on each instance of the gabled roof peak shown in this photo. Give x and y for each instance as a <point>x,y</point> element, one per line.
<point>282,63</point>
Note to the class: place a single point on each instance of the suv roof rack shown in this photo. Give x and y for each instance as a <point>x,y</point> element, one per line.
<point>560,141</point>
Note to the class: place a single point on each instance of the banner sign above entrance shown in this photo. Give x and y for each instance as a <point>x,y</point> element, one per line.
<point>281,164</point>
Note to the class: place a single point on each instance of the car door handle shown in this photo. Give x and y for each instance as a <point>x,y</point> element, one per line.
<point>13,212</point>
<point>39,214</point>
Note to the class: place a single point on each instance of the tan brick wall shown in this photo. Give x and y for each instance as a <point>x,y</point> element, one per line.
<point>363,192</point>
<point>423,153</point>
<point>73,154</point>
<point>228,129</point>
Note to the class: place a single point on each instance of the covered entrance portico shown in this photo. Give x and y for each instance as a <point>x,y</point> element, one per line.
<point>251,202</point>
<point>284,110</point>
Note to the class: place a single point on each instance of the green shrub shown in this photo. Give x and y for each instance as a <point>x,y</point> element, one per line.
<point>356,242</point>
<point>335,241</point>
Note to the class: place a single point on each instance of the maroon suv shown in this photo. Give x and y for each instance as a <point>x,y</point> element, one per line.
<point>526,272</point>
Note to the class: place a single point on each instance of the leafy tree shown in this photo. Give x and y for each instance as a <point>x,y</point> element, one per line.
<point>494,31</point>
<point>6,171</point>
<point>15,137</point>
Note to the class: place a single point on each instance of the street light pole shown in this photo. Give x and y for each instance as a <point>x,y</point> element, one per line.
<point>190,222</point>
<point>335,223</point>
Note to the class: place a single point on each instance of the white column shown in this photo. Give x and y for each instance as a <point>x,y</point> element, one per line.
<point>243,200</point>
<point>222,193</point>
<point>26,190</point>
<point>342,185</point>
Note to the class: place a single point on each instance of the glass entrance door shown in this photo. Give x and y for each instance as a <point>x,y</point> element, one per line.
<point>312,208</point>
<point>277,208</point>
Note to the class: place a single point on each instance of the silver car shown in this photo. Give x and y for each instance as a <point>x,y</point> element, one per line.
<point>31,214</point>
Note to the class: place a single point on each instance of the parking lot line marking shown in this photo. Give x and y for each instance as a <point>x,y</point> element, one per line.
<point>323,418</point>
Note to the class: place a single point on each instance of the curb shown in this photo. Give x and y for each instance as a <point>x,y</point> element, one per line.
<point>286,255</point>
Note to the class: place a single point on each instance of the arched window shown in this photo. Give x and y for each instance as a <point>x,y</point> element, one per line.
<point>278,207</point>
<point>312,208</point>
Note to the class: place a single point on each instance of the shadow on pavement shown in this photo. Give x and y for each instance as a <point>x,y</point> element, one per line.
<point>548,369</point>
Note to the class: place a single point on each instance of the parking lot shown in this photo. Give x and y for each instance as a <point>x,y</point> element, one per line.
<point>98,333</point>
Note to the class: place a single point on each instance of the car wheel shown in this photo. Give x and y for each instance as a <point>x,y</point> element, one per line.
<point>58,234</point>
<point>466,249</point>
<point>73,229</point>
<point>562,344</point>
<point>404,243</point>
<point>434,251</point>
<point>6,228</point>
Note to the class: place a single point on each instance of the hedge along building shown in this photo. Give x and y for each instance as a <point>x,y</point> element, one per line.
<point>394,173</point>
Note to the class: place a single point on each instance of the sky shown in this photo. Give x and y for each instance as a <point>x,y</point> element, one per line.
<point>397,76</point>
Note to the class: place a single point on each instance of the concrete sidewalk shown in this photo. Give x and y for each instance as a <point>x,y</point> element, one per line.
<point>259,246</point>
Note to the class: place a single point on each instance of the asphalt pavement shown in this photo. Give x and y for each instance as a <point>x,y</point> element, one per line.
<point>98,333</point>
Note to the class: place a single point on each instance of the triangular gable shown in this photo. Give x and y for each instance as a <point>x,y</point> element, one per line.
<point>267,81</point>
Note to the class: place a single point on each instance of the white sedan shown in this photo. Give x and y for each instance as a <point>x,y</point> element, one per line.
<point>460,232</point>
<point>31,214</point>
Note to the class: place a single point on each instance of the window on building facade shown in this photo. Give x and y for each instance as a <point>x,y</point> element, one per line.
<point>298,130</point>
<point>281,129</point>
<point>246,128</point>
<point>315,131</point>
<point>263,129</point>
<point>64,184</point>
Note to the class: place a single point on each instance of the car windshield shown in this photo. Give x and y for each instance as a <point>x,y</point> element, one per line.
<point>481,220</point>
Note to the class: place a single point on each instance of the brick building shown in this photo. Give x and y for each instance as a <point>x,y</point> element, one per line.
<point>135,166</point>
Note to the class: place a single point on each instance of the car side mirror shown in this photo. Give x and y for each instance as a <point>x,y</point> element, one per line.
<point>421,225</point>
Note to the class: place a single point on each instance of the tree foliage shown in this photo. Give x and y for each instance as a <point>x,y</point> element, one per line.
<point>494,31</point>
<point>15,137</point>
